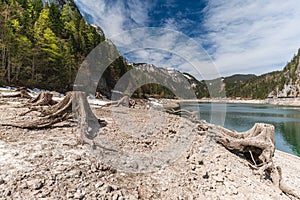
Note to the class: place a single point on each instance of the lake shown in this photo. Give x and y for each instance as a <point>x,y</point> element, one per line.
<point>242,117</point>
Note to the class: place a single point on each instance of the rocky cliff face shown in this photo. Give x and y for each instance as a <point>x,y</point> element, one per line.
<point>162,75</point>
<point>163,82</point>
<point>289,82</point>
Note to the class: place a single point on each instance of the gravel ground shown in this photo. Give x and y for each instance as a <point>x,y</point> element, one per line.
<point>151,155</point>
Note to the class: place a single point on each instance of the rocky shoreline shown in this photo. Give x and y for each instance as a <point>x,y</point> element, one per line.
<point>272,101</point>
<point>50,163</point>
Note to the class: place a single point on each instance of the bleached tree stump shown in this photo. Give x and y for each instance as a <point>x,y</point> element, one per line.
<point>89,124</point>
<point>257,145</point>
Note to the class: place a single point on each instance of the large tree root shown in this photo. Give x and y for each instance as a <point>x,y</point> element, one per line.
<point>37,103</point>
<point>89,124</point>
<point>43,99</point>
<point>257,146</point>
<point>59,113</point>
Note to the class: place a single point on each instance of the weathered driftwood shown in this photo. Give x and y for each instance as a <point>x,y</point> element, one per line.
<point>43,99</point>
<point>37,103</point>
<point>98,95</point>
<point>89,124</point>
<point>256,143</point>
<point>51,109</point>
<point>191,115</point>
<point>60,113</point>
<point>257,146</point>
<point>124,101</point>
<point>21,93</point>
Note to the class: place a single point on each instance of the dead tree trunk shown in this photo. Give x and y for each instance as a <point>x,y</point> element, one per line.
<point>257,146</point>
<point>88,123</point>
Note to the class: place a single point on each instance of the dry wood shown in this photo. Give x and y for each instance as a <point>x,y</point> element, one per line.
<point>124,101</point>
<point>61,113</point>
<point>22,93</point>
<point>257,146</point>
<point>43,99</point>
<point>259,140</point>
<point>193,116</point>
<point>98,95</point>
<point>89,124</point>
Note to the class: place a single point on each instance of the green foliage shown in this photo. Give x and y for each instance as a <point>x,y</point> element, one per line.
<point>43,46</point>
<point>259,87</point>
<point>154,91</point>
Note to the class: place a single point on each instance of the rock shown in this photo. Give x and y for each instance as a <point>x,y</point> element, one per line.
<point>77,157</point>
<point>79,194</point>
<point>7,193</point>
<point>24,185</point>
<point>94,168</point>
<point>45,194</point>
<point>35,184</point>
<point>109,189</point>
<point>70,195</point>
<point>2,181</point>
<point>99,184</point>
<point>218,178</point>
<point>115,197</point>
<point>232,190</point>
<point>206,176</point>
<point>58,157</point>
<point>78,174</point>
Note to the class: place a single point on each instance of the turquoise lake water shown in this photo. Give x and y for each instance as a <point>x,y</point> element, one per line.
<point>242,117</point>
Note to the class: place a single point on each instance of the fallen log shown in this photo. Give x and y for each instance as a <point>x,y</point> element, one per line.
<point>124,101</point>
<point>191,115</point>
<point>22,94</point>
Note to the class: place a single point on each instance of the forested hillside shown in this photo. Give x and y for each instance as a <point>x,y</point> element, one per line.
<point>285,83</point>
<point>42,45</point>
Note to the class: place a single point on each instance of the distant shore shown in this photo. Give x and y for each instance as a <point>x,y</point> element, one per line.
<point>272,101</point>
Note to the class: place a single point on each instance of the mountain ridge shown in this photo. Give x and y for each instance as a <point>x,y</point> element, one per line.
<point>43,44</point>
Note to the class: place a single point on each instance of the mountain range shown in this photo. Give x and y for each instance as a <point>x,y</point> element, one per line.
<point>43,44</point>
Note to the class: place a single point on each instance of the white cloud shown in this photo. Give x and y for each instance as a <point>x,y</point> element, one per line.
<point>166,48</point>
<point>116,16</point>
<point>252,36</point>
<point>249,36</point>
<point>163,47</point>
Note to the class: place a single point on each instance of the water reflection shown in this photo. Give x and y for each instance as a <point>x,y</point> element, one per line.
<point>290,131</point>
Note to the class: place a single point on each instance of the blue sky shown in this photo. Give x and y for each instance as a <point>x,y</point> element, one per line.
<point>239,36</point>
